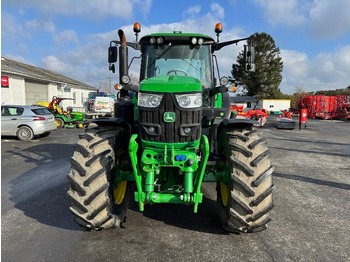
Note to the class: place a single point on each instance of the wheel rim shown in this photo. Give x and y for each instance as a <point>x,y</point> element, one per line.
<point>224,193</point>
<point>24,133</point>
<point>119,192</point>
<point>58,122</point>
<point>81,125</point>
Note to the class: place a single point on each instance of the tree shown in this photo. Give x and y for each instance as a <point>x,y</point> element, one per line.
<point>264,82</point>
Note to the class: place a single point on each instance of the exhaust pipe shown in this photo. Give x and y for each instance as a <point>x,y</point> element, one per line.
<point>123,59</point>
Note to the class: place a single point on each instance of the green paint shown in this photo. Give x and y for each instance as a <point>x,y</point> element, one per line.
<point>203,164</point>
<point>149,185</point>
<point>133,146</point>
<point>168,162</point>
<point>171,84</point>
<point>218,100</point>
<point>188,183</point>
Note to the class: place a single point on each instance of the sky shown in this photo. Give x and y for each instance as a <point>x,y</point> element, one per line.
<point>71,37</point>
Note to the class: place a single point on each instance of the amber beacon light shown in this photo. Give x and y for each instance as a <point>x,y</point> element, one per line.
<point>137,30</point>
<point>218,30</point>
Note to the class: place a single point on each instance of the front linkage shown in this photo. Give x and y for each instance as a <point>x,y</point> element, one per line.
<point>154,157</point>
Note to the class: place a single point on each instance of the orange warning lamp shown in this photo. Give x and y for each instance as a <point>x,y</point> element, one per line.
<point>137,28</point>
<point>218,28</point>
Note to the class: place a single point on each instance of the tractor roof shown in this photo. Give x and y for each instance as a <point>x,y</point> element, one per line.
<point>177,36</point>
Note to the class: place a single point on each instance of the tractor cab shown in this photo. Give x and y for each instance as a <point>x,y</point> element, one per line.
<point>177,54</point>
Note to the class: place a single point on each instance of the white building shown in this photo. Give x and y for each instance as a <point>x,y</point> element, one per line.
<point>25,85</point>
<point>274,105</point>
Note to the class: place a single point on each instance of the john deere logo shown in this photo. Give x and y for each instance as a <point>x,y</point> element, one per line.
<point>169,117</point>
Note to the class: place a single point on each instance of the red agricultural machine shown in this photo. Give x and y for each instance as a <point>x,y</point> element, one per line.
<point>259,114</point>
<point>326,107</point>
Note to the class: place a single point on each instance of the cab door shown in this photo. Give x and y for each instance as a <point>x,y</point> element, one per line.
<point>9,119</point>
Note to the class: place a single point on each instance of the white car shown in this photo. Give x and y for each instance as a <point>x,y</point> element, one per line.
<point>26,121</point>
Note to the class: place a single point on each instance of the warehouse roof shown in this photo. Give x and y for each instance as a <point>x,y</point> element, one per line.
<point>37,73</point>
<point>242,99</point>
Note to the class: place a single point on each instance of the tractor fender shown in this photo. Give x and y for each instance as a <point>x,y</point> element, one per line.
<point>228,122</point>
<point>117,122</point>
<point>238,122</point>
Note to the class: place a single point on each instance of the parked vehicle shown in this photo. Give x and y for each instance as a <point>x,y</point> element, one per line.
<point>26,121</point>
<point>326,107</point>
<point>68,118</point>
<point>285,121</point>
<point>104,105</point>
<point>259,115</point>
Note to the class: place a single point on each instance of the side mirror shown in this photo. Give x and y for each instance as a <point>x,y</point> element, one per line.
<point>249,58</point>
<point>112,54</point>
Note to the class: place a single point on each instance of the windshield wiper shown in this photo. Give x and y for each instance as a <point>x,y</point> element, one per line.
<point>190,64</point>
<point>163,53</point>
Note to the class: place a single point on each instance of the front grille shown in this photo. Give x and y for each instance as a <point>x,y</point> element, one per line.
<point>170,132</point>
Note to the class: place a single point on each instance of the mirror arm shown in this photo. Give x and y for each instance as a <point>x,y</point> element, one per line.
<point>135,46</point>
<point>218,46</point>
<point>218,89</point>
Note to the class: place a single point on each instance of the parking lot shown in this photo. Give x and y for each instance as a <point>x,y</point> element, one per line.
<point>310,218</point>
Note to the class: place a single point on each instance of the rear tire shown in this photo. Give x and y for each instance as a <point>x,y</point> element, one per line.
<point>246,206</point>
<point>25,133</point>
<point>92,176</point>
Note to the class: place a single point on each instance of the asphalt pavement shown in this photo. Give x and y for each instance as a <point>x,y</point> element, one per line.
<point>310,219</point>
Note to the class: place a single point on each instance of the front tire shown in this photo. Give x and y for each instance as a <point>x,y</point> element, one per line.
<point>59,123</point>
<point>93,170</point>
<point>246,201</point>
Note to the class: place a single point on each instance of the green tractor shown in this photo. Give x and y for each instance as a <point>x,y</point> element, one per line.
<point>172,132</point>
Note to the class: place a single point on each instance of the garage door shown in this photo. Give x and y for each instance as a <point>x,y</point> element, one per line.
<point>35,92</point>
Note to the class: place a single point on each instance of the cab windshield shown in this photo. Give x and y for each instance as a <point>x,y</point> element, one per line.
<point>181,60</point>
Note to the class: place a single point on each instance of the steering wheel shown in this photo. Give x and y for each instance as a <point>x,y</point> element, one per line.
<point>177,70</point>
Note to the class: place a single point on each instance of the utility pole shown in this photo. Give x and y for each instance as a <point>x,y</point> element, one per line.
<point>110,83</point>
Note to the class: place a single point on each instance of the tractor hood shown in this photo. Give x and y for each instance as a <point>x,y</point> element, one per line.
<point>171,84</point>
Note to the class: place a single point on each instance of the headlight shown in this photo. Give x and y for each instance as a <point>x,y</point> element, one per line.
<point>149,100</point>
<point>189,100</point>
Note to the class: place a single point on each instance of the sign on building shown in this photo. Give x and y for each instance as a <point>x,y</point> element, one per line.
<point>4,81</point>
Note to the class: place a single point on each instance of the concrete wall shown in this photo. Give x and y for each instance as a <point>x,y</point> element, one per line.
<point>15,94</point>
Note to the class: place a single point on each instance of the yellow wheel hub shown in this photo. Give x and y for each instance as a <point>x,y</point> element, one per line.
<point>58,123</point>
<point>224,193</point>
<point>119,192</point>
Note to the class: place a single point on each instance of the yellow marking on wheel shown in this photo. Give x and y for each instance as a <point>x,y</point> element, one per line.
<point>119,192</point>
<point>224,193</point>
